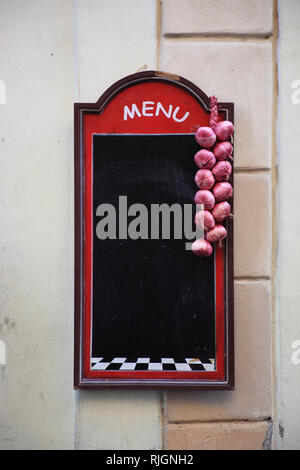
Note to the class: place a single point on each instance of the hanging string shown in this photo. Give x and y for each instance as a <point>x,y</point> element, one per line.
<point>214,115</point>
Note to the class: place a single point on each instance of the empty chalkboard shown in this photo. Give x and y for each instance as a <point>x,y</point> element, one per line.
<point>152,298</point>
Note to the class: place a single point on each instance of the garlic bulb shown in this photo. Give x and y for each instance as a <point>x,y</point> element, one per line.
<point>222,191</point>
<point>221,211</point>
<point>205,159</point>
<point>224,130</point>
<point>222,170</point>
<point>216,234</point>
<point>204,179</point>
<point>223,150</point>
<point>206,198</point>
<point>204,220</point>
<point>202,247</point>
<point>205,137</point>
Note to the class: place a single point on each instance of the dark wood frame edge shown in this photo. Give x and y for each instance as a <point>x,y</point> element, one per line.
<point>177,384</point>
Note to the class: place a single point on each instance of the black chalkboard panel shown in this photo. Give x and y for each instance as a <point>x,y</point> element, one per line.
<point>151,298</point>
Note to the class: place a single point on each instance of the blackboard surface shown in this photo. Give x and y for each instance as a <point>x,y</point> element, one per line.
<point>151,298</point>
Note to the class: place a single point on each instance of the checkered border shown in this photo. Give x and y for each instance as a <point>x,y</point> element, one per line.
<point>152,364</point>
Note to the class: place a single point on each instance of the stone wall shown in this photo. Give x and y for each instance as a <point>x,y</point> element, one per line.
<point>56,52</point>
<point>227,48</point>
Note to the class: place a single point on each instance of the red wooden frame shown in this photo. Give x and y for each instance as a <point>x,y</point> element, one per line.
<point>104,117</point>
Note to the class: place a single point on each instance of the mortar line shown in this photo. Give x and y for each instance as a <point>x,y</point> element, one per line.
<point>252,170</point>
<point>76,52</point>
<point>252,278</point>
<point>262,419</point>
<point>164,418</point>
<point>158,31</point>
<point>217,38</point>
<point>274,177</point>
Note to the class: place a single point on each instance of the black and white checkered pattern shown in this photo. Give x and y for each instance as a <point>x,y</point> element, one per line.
<point>153,364</point>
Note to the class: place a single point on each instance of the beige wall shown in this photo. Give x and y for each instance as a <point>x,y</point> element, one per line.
<point>288,294</point>
<point>55,52</point>
<point>36,151</point>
